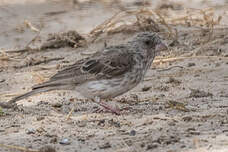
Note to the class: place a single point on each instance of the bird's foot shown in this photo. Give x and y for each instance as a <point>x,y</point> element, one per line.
<point>108,108</point>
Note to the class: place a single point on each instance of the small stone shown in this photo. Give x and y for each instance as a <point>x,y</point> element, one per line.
<point>132,133</point>
<point>65,141</point>
<point>30,131</point>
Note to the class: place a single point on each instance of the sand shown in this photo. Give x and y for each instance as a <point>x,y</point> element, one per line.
<point>182,105</point>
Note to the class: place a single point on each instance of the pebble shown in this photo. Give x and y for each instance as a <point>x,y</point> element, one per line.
<point>30,131</point>
<point>65,141</point>
<point>132,133</point>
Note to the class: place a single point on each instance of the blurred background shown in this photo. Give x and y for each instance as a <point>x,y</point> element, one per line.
<point>51,16</point>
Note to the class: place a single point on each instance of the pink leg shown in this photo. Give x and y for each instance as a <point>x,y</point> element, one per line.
<point>106,106</point>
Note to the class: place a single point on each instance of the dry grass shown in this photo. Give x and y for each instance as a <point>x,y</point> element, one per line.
<point>158,21</point>
<point>133,20</point>
<point>138,20</point>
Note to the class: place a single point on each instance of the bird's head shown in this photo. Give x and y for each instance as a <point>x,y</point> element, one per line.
<point>150,42</point>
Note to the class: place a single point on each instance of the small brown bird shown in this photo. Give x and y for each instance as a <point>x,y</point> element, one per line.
<point>107,73</point>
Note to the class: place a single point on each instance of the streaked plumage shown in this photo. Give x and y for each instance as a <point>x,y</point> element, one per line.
<point>107,73</point>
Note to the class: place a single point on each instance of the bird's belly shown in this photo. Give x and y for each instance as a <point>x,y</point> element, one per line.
<point>105,88</point>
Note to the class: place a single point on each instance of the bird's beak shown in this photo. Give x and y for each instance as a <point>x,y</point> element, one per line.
<point>161,47</point>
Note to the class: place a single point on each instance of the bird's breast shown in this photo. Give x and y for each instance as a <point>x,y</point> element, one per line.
<point>106,88</point>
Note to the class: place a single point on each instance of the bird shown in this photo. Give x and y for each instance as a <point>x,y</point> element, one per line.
<point>106,74</point>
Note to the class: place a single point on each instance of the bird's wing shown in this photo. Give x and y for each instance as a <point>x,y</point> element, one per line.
<point>112,62</point>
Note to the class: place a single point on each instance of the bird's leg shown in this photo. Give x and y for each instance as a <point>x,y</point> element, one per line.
<point>106,106</point>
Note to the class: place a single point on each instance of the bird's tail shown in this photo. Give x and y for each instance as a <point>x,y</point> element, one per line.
<point>30,93</point>
<point>45,87</point>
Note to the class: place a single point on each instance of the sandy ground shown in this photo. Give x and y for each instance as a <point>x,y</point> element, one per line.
<point>182,105</point>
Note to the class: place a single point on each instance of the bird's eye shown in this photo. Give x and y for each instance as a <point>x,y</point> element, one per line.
<point>147,42</point>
